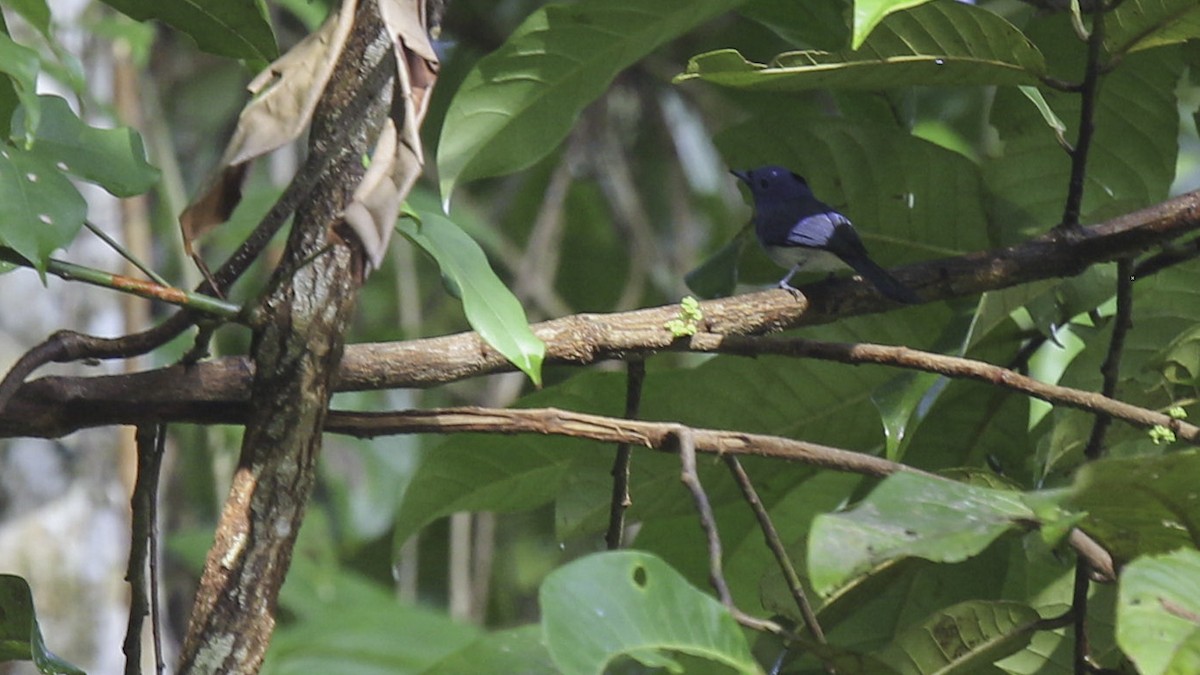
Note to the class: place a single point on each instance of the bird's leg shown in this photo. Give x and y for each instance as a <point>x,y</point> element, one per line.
<point>783,283</point>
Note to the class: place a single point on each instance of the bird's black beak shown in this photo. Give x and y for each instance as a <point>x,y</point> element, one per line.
<point>744,176</point>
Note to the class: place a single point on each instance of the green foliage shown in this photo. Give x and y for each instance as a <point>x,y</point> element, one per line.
<point>490,308</point>
<point>235,28</point>
<point>521,101</point>
<point>1157,612</point>
<point>20,636</point>
<point>632,604</point>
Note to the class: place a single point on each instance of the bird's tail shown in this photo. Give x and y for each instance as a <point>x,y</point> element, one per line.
<point>887,284</point>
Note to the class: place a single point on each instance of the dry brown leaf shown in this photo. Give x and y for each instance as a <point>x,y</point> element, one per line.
<point>286,93</point>
<point>417,68</point>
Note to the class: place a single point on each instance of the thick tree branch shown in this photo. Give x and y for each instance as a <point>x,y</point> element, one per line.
<point>299,325</point>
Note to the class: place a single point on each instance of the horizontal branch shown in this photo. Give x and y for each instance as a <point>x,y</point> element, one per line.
<point>215,391</point>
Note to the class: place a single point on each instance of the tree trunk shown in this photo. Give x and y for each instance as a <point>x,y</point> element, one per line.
<point>299,336</point>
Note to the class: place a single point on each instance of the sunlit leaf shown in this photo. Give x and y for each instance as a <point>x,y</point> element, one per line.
<point>633,604</point>
<point>910,515</point>
<point>491,309</point>
<point>1158,613</point>
<point>868,14</point>
<point>519,102</point>
<point>945,43</point>
<point>20,64</point>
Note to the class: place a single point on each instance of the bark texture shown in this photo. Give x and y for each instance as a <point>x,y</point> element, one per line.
<point>299,337</point>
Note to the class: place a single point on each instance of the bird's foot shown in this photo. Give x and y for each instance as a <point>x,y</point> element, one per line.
<point>791,289</point>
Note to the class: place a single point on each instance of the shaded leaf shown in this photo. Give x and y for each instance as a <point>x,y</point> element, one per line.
<point>1159,508</point>
<point>520,101</point>
<point>944,43</point>
<point>1158,613</point>
<point>1142,24</point>
<point>112,158</point>
<point>235,28</point>
<point>633,604</point>
<point>717,276</point>
<point>21,65</point>
<point>516,650</point>
<point>491,309</point>
<point>20,636</point>
<point>36,12</point>
<point>963,638</point>
<point>40,210</point>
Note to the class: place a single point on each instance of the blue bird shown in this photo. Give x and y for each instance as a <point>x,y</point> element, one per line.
<point>800,232</point>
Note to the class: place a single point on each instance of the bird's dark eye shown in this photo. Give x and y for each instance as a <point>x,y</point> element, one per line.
<point>762,183</point>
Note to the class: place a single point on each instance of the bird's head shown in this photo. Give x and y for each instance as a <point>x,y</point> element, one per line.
<point>774,183</point>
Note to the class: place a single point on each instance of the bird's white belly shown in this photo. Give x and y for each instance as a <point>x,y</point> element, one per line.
<point>805,259</point>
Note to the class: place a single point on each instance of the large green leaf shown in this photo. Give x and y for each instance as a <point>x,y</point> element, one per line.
<point>20,636</point>
<point>235,28</point>
<point>944,43</point>
<point>1142,24</point>
<point>112,158</point>
<point>1158,614</point>
<point>519,102</point>
<point>868,14</point>
<point>21,66</point>
<point>1133,151</point>
<point>963,639</point>
<point>36,12</point>
<point>40,210</point>
<point>633,604</point>
<point>1157,512</point>
<point>491,309</point>
<point>911,515</point>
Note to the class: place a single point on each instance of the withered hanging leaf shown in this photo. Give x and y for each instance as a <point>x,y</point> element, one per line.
<point>372,213</point>
<point>286,93</point>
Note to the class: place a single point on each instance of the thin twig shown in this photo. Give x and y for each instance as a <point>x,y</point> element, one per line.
<point>777,549</point>
<point>686,441</point>
<point>635,377</point>
<point>141,549</point>
<point>124,253</point>
<point>1088,94</point>
<point>1079,603</point>
<point>160,448</point>
<point>1111,369</point>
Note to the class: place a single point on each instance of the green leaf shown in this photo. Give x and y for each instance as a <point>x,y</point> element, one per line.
<point>964,638</point>
<point>112,158</point>
<point>34,11</point>
<point>348,625</point>
<point>1158,510</point>
<point>21,65</point>
<point>238,29</point>
<point>944,43</point>
<point>1136,135</point>
<point>1158,613</point>
<point>717,276</point>
<point>20,636</point>
<point>491,309</point>
<point>868,14</point>
<point>520,101</point>
<point>1142,24</point>
<point>40,210</point>
<point>517,650</point>
<point>633,604</point>
<point>911,515</point>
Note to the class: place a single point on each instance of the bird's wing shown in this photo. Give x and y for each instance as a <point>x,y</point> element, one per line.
<point>817,230</point>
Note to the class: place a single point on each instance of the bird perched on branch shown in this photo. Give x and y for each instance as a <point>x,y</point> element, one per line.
<point>802,233</point>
